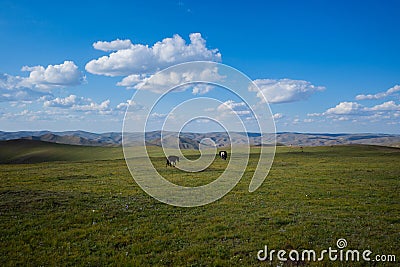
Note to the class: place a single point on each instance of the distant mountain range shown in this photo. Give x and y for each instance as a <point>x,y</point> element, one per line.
<point>67,137</point>
<point>192,140</point>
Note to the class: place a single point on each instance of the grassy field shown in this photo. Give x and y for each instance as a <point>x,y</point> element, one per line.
<point>87,209</point>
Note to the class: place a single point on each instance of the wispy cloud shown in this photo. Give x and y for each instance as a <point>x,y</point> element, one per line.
<point>285,90</point>
<point>131,104</point>
<point>21,94</point>
<point>232,107</point>
<point>381,95</point>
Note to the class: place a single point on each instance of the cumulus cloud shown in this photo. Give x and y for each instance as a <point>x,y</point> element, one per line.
<point>386,106</point>
<point>346,111</point>
<point>354,108</point>
<point>103,107</point>
<point>113,45</point>
<point>387,93</point>
<point>65,102</point>
<point>53,76</point>
<point>284,90</point>
<point>346,108</point>
<point>40,81</point>
<point>131,58</point>
<point>78,104</point>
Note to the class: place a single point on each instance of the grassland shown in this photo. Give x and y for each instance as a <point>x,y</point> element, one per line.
<point>87,209</point>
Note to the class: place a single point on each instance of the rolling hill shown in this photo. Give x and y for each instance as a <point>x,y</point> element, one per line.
<point>192,140</point>
<point>35,151</point>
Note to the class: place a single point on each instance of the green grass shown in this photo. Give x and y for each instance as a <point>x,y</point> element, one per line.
<point>91,212</point>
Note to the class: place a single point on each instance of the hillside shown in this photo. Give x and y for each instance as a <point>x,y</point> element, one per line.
<point>67,137</point>
<point>34,151</point>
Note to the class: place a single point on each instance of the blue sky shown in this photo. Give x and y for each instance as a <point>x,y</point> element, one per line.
<point>325,66</point>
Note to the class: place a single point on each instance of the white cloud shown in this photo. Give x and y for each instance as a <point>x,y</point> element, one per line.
<point>278,116</point>
<point>103,107</point>
<point>9,82</point>
<point>285,90</point>
<point>44,115</point>
<point>314,114</point>
<point>232,107</point>
<point>142,59</point>
<point>21,94</point>
<point>201,89</point>
<point>357,113</point>
<point>52,76</point>
<point>76,103</point>
<point>40,81</point>
<point>12,90</point>
<point>388,92</point>
<point>166,80</point>
<point>113,45</point>
<point>387,106</point>
<point>346,108</point>
<point>66,102</point>
<point>354,108</point>
<point>131,80</point>
<point>342,118</point>
<point>133,105</point>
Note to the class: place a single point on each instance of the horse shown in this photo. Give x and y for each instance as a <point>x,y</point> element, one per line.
<point>171,161</point>
<point>223,155</point>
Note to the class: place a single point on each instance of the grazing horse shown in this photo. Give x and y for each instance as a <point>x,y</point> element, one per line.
<point>223,155</point>
<point>171,161</point>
